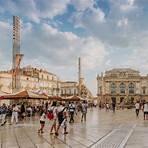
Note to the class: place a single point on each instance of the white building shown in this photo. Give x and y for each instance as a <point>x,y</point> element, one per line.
<point>31,79</point>
<point>123,84</point>
<point>69,88</point>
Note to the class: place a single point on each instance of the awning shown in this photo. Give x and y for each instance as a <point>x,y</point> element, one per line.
<point>25,95</point>
<point>74,98</point>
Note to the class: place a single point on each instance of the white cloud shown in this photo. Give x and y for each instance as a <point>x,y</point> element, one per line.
<point>5,48</point>
<point>81,5</point>
<point>62,48</point>
<point>84,18</point>
<point>49,9</point>
<point>123,22</point>
<point>35,9</point>
<point>128,5</point>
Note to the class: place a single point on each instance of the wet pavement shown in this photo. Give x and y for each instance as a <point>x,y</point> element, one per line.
<point>102,130</point>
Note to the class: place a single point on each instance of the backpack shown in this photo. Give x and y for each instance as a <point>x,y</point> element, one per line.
<point>61,115</point>
<point>71,108</point>
<point>50,115</point>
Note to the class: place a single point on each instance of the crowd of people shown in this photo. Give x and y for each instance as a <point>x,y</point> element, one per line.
<point>142,106</point>
<point>57,113</point>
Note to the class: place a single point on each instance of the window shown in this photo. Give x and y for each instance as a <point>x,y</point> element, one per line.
<point>122,88</point>
<point>65,91</point>
<point>70,91</point>
<point>113,88</point>
<point>62,91</point>
<point>74,91</point>
<point>144,90</point>
<point>131,88</point>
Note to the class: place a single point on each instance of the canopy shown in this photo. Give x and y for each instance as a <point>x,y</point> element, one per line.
<point>55,98</point>
<point>24,95</point>
<point>74,98</point>
<point>2,94</point>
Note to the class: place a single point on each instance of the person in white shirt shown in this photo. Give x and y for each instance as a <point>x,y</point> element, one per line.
<point>15,111</point>
<point>137,107</point>
<point>145,110</point>
<point>42,122</point>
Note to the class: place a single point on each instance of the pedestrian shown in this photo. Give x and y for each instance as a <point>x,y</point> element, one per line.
<point>145,110</point>
<point>3,114</point>
<point>22,111</point>
<point>64,123</point>
<point>0,113</point>
<point>95,103</point>
<point>113,106</point>
<point>71,108</point>
<point>107,107</point>
<point>84,111</point>
<point>42,122</point>
<point>52,116</point>
<point>15,111</point>
<point>137,107</point>
<point>60,116</point>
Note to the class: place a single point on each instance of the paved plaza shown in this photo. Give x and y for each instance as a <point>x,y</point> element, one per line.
<point>102,130</point>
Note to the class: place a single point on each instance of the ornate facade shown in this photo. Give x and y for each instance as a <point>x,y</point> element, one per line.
<point>70,88</point>
<point>122,85</point>
<point>31,79</point>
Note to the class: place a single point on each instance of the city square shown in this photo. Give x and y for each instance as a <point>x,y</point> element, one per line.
<point>102,130</point>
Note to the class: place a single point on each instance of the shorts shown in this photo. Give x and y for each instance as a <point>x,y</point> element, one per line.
<point>145,113</point>
<point>60,120</point>
<point>52,122</point>
<point>42,122</point>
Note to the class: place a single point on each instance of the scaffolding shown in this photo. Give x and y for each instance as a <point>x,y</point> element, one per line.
<point>17,57</point>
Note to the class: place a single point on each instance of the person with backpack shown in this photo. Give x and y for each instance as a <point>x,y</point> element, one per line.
<point>60,116</point>
<point>52,116</point>
<point>71,108</point>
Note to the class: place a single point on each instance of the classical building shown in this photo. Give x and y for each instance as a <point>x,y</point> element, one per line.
<point>31,79</point>
<point>70,88</point>
<point>122,85</point>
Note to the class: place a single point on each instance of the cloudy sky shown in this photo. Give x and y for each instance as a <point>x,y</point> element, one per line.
<point>104,33</point>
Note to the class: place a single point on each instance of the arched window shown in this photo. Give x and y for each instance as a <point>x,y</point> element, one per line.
<point>62,91</point>
<point>113,88</point>
<point>144,90</point>
<point>131,88</point>
<point>122,88</point>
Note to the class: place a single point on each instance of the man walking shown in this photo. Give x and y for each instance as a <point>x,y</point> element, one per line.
<point>3,114</point>
<point>137,107</point>
<point>14,114</point>
<point>71,112</point>
<point>84,111</point>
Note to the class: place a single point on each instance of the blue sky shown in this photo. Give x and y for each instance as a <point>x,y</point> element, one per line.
<point>106,34</point>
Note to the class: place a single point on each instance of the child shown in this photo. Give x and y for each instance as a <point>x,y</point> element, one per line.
<point>42,122</point>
